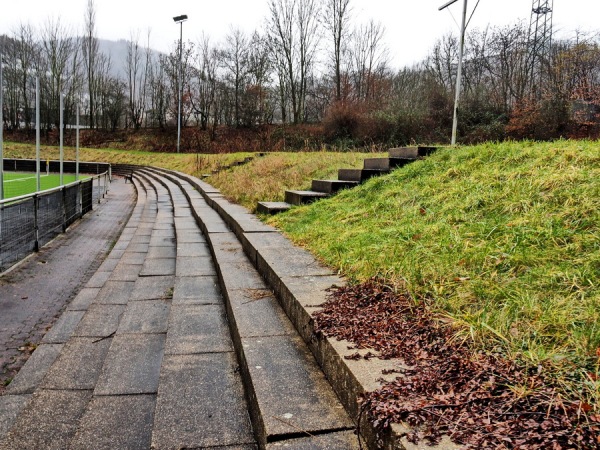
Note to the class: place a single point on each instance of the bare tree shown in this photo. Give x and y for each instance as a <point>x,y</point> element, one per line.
<point>235,61</point>
<point>159,92</point>
<point>60,70</point>
<point>90,59</point>
<point>293,37</point>
<point>12,78</point>
<point>337,18</point>
<point>27,56</point>
<point>441,63</point>
<point>203,101</point>
<point>137,65</point>
<point>369,58</point>
<point>507,66</point>
<point>257,107</point>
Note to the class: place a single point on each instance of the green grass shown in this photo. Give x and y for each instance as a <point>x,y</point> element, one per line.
<point>185,162</point>
<point>504,239</point>
<point>19,183</point>
<point>267,178</point>
<point>501,239</point>
<point>264,179</point>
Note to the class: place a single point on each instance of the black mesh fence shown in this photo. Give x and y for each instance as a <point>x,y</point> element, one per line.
<point>49,217</point>
<point>86,196</point>
<point>17,232</point>
<point>29,222</point>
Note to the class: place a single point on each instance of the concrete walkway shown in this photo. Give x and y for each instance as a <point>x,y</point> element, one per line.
<point>35,293</point>
<point>175,342</point>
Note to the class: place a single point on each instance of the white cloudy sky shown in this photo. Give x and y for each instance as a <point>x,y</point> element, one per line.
<point>412,26</point>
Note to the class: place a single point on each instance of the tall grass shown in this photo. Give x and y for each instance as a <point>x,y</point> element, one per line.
<point>268,177</point>
<point>193,164</point>
<point>504,239</point>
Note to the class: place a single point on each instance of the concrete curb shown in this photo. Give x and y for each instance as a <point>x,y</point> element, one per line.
<point>280,375</point>
<point>300,283</point>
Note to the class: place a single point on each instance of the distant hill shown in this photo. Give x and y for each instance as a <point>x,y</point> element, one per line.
<point>118,54</point>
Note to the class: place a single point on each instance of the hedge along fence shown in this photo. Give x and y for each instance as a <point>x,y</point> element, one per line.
<point>31,221</point>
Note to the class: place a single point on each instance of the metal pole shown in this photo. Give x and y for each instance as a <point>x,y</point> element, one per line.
<point>459,73</point>
<point>77,146</point>
<point>180,93</point>
<point>1,132</point>
<point>62,153</point>
<point>37,133</point>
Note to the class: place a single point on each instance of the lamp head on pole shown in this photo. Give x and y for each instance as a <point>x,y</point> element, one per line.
<point>451,2</point>
<point>182,18</point>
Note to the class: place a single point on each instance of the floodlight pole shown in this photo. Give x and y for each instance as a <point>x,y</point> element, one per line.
<point>37,133</point>
<point>77,145</point>
<point>180,20</point>
<point>1,133</point>
<point>62,152</point>
<point>463,27</point>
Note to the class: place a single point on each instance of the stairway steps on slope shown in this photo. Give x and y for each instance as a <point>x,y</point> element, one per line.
<point>386,163</point>
<point>411,152</point>
<point>332,186</point>
<point>359,175</point>
<point>289,397</point>
<point>270,208</point>
<point>303,197</point>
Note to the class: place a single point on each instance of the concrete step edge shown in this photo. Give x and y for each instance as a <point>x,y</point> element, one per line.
<point>349,378</point>
<point>253,396</point>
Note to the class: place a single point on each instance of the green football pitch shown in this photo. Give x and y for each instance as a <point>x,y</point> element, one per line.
<point>22,183</point>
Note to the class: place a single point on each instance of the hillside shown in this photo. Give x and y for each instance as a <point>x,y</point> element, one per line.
<point>504,239</point>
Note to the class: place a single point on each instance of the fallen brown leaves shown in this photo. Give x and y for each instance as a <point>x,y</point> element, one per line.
<point>477,399</point>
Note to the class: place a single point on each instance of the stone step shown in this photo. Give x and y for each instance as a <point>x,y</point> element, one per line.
<point>332,186</point>
<point>98,346</point>
<point>386,163</point>
<point>411,152</point>
<point>303,197</point>
<point>359,175</point>
<point>272,207</point>
<point>290,399</point>
<point>300,285</point>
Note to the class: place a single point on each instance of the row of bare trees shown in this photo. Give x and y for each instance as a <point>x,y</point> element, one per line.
<point>306,56</point>
<point>309,63</point>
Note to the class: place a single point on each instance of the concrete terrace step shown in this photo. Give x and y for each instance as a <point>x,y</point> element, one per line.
<point>299,283</point>
<point>303,197</point>
<point>359,175</point>
<point>143,356</point>
<point>332,186</point>
<point>386,163</point>
<point>272,207</point>
<point>411,152</point>
<point>288,394</point>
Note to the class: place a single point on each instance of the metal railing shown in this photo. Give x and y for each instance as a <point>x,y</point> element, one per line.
<point>31,221</point>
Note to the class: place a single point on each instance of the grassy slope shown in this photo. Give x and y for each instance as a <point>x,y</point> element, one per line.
<point>185,162</point>
<point>267,178</point>
<point>264,179</point>
<point>502,238</point>
<point>505,239</point>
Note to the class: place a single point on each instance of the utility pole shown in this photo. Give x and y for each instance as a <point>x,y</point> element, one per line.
<point>463,28</point>
<point>1,132</point>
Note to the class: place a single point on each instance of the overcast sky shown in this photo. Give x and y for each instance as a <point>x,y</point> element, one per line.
<point>411,26</point>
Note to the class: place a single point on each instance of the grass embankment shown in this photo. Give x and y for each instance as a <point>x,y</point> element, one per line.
<point>263,179</point>
<point>503,239</point>
<point>267,178</point>
<point>185,162</point>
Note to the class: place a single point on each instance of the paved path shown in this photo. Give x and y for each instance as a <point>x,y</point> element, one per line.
<point>175,342</point>
<point>35,293</point>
